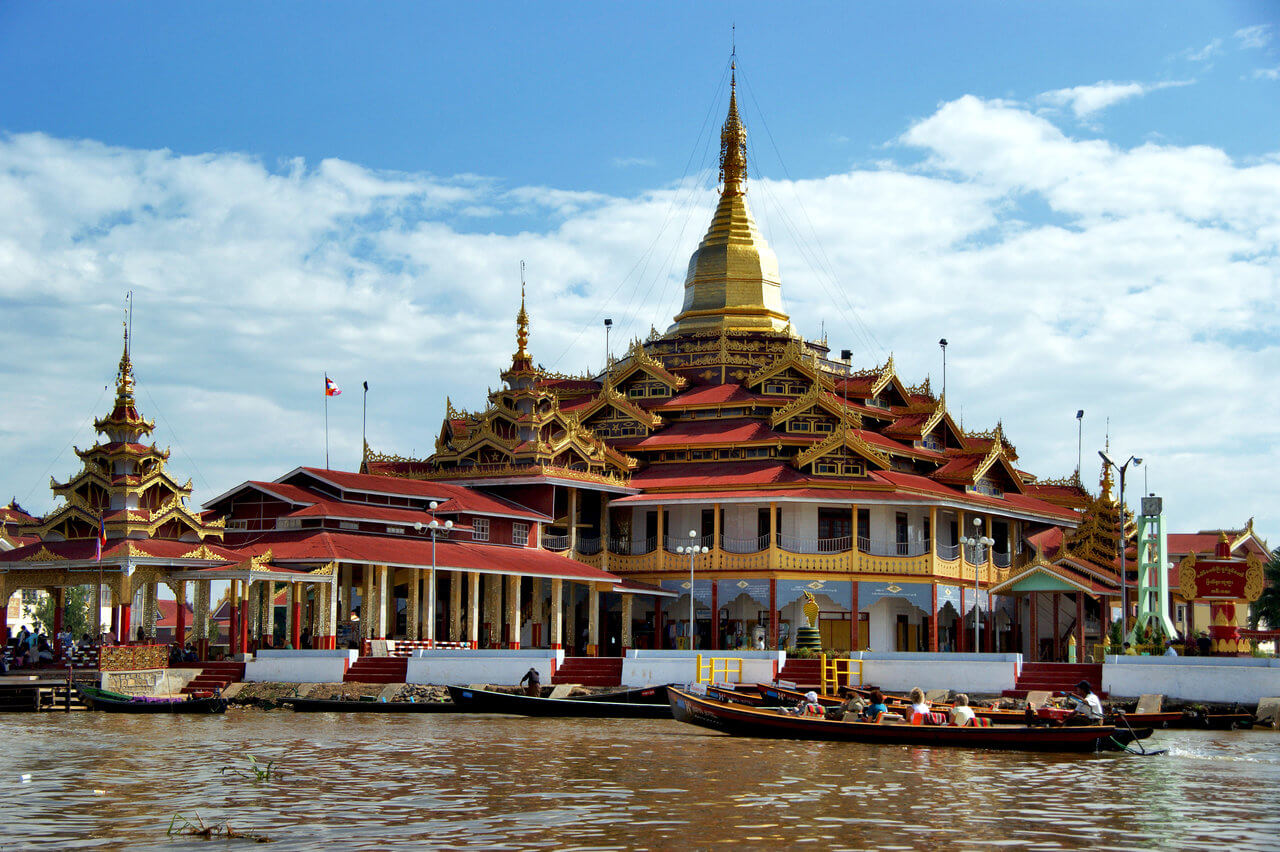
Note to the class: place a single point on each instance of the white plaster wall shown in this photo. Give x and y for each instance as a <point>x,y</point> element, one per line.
<point>648,668</point>
<point>882,633</point>
<point>300,666</point>
<point>1210,679</point>
<point>740,520</point>
<point>971,673</point>
<point>462,667</point>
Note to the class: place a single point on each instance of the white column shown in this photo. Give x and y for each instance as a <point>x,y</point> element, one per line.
<point>556,627</point>
<point>430,597</point>
<point>269,620</point>
<point>383,598</point>
<point>473,609</point>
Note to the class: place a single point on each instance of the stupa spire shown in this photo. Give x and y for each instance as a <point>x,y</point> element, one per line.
<point>733,143</point>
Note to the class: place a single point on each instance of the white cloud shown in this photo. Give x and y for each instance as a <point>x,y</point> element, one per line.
<point>1085,101</point>
<point>1255,36</point>
<point>628,162</point>
<point>1143,288</point>
<point>1203,54</point>
<point>1267,73</point>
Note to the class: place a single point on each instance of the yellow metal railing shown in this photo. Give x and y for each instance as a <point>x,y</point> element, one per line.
<point>714,666</point>
<point>838,672</point>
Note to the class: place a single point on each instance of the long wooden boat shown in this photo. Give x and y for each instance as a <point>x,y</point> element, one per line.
<point>115,702</point>
<point>485,701</point>
<point>346,705</point>
<point>1217,721</point>
<point>740,720</point>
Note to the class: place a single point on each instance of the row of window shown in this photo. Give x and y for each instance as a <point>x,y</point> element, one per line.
<point>644,391</point>
<point>714,455</point>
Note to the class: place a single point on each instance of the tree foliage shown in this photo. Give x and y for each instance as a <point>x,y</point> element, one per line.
<point>1267,607</point>
<point>77,617</point>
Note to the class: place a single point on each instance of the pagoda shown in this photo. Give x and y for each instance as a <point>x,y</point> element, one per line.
<point>122,523</point>
<point>798,472</point>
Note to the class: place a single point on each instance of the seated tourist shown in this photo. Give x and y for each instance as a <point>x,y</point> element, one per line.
<point>961,712</point>
<point>809,706</point>
<point>877,709</point>
<point>85,642</point>
<point>43,653</point>
<point>918,704</point>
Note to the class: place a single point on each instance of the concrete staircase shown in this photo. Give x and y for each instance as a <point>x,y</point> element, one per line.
<point>590,671</point>
<point>378,670</point>
<point>215,677</point>
<point>1055,677</point>
<point>805,674</point>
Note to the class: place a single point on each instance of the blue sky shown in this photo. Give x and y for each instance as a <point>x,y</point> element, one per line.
<point>1084,198</point>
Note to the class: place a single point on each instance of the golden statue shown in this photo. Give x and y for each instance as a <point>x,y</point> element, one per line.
<point>811,609</point>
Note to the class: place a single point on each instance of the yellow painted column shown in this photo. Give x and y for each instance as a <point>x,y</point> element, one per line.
<point>990,562</point>
<point>627,602</point>
<point>414,614</point>
<point>557,614</point>
<point>933,545</point>
<point>455,606</point>
<point>717,555</point>
<point>662,538</point>
<point>773,538</point>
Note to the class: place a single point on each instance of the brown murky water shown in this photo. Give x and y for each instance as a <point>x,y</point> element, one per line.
<point>92,780</point>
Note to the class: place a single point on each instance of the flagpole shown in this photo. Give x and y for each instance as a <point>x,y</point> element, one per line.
<point>364,421</point>
<point>326,421</point>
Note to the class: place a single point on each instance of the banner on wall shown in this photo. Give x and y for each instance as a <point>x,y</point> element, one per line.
<point>830,594</point>
<point>727,591</point>
<point>701,591</point>
<point>917,594</point>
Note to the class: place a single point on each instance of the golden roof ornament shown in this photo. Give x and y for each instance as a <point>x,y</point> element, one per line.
<point>733,143</point>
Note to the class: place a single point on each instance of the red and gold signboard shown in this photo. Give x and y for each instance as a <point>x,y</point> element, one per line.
<point>1220,579</point>
<point>116,658</point>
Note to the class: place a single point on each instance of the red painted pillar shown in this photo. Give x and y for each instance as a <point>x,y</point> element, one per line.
<point>773,614</point>
<point>1035,627</point>
<point>715,616</point>
<point>1082,651</point>
<point>243,610</point>
<point>4,621</point>
<point>233,629</point>
<point>180,632</point>
<point>115,623</point>
<point>1057,635</point>
<point>933,622</point>
<point>658,629</point>
<point>123,635</point>
<point>854,619</point>
<point>59,614</point>
<point>295,629</point>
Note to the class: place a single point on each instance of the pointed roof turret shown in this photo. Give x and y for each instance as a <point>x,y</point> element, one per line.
<point>733,280</point>
<point>124,423</point>
<point>521,372</point>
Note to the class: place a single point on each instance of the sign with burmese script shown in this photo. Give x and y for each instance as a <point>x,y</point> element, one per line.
<point>1220,579</point>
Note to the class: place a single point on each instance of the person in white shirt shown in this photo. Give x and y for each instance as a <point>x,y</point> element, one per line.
<point>961,713</point>
<point>918,704</point>
<point>1089,708</point>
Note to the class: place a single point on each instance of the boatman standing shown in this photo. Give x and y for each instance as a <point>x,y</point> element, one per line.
<point>535,683</point>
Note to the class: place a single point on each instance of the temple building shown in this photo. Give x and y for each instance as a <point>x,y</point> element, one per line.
<point>797,471</point>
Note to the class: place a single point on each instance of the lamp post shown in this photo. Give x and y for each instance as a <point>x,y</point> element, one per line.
<point>693,550</point>
<point>434,528</point>
<point>1124,578</point>
<point>1079,440</point>
<point>608,326</point>
<point>943,344</point>
<point>975,541</point>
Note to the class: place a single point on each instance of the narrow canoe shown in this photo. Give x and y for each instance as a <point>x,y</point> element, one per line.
<point>108,702</point>
<point>740,720</point>
<point>643,695</point>
<point>484,701</point>
<point>340,705</point>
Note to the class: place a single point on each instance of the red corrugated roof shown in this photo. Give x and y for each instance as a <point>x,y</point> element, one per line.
<point>703,432</point>
<point>849,494</point>
<point>461,498</point>
<point>113,553</point>
<point>363,512</point>
<point>326,546</point>
<point>726,394</point>
<point>702,474</point>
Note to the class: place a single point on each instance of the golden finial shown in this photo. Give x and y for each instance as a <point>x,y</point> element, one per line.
<point>1222,537</point>
<point>733,142</point>
<point>124,376</point>
<point>522,325</point>
<point>1105,481</point>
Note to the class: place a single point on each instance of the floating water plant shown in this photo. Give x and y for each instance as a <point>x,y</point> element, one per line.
<point>256,771</point>
<point>195,827</point>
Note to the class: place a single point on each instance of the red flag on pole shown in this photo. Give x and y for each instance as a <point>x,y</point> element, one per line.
<point>331,387</point>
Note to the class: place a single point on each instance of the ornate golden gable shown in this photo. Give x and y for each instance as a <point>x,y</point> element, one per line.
<point>815,395</point>
<point>846,437</point>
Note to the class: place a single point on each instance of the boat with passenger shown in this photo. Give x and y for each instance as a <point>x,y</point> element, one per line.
<point>741,720</point>
<point>118,702</point>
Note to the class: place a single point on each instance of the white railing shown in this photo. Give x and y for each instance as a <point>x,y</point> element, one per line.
<point>744,545</point>
<point>793,544</point>
<point>588,546</point>
<point>1002,560</point>
<point>948,551</point>
<point>871,547</point>
<point>555,542</point>
<point>674,541</point>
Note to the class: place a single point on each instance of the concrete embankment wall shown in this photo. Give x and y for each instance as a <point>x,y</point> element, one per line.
<point>1211,679</point>
<point>299,666</point>
<point>460,667</point>
<point>975,673</point>
<point>644,668</point>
